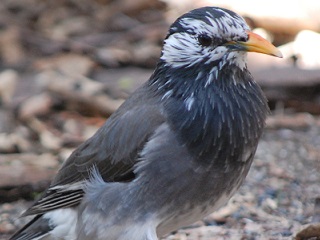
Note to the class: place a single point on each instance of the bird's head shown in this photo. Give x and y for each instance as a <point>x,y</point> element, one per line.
<point>212,37</point>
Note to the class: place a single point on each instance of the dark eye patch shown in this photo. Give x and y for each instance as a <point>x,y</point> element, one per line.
<point>243,39</point>
<point>205,40</point>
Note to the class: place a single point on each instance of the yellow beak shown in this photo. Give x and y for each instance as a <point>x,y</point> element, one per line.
<point>257,44</point>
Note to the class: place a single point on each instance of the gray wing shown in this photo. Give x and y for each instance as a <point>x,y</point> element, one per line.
<point>113,150</point>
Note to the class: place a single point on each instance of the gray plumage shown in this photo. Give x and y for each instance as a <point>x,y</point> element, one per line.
<point>175,151</point>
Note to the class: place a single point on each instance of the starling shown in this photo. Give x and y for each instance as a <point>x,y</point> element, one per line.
<point>176,150</point>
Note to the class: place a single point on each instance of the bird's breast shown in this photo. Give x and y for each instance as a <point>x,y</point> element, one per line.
<point>220,125</point>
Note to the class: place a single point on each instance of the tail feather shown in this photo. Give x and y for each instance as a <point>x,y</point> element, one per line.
<point>37,228</point>
<point>56,224</point>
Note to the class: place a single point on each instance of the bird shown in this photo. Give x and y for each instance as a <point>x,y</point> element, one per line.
<point>175,151</point>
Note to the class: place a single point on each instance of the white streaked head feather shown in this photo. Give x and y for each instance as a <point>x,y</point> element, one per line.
<point>182,48</point>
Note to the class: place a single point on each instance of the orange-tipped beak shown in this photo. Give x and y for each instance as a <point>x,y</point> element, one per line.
<point>257,44</point>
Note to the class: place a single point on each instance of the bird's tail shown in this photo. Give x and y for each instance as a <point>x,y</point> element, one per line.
<point>56,224</point>
<point>37,228</point>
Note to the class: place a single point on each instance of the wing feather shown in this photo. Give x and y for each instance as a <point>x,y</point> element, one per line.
<point>113,150</point>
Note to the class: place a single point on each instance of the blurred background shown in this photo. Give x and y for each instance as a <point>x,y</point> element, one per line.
<point>66,65</point>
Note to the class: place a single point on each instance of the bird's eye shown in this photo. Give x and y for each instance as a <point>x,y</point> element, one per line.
<point>205,40</point>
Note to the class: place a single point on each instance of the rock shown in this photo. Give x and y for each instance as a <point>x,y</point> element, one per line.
<point>6,123</point>
<point>48,139</point>
<point>37,105</point>
<point>306,47</point>
<point>8,143</point>
<point>79,93</point>
<point>26,169</point>
<point>8,81</point>
<point>298,121</point>
<point>70,64</point>
<point>69,27</point>
<point>11,50</point>
<point>113,56</point>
